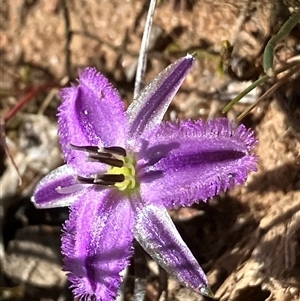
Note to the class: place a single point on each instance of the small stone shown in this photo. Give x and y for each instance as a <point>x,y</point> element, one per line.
<point>34,257</point>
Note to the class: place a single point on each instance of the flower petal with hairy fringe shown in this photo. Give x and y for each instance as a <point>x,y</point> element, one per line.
<point>96,246</point>
<point>91,114</point>
<point>193,160</point>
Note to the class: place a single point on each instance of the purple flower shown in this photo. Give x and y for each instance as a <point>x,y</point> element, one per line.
<point>125,168</point>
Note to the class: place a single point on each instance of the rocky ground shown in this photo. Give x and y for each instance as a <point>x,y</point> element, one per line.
<point>247,240</point>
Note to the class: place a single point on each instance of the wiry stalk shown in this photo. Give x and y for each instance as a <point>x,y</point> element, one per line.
<point>139,257</point>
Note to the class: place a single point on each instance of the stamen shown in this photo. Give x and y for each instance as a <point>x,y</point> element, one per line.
<point>87,148</point>
<point>129,182</point>
<point>117,150</point>
<point>109,161</point>
<point>85,180</point>
<point>94,181</point>
<point>106,179</point>
<point>112,178</point>
<point>112,150</point>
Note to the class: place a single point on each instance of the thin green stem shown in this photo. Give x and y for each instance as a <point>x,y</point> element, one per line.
<point>244,93</point>
<point>269,92</point>
<point>253,86</point>
<point>269,50</point>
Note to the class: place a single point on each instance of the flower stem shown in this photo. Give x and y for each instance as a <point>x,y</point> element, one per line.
<point>141,68</point>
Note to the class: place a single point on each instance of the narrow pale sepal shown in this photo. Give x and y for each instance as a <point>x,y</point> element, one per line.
<point>194,160</point>
<point>148,109</point>
<point>47,193</point>
<point>157,234</point>
<point>97,244</point>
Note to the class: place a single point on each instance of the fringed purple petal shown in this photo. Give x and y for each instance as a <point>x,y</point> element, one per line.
<point>58,189</point>
<point>97,244</point>
<point>157,234</point>
<point>189,161</point>
<point>90,114</point>
<point>148,109</point>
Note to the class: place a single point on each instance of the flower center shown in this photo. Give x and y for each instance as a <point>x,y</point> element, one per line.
<point>121,167</point>
<point>128,170</point>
